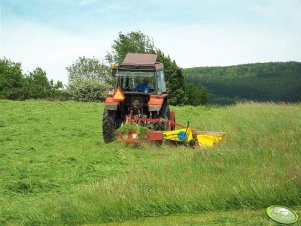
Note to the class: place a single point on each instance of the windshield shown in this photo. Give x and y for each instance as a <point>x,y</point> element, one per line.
<point>136,81</point>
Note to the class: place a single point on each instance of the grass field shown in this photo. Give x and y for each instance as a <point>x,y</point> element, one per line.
<point>55,168</point>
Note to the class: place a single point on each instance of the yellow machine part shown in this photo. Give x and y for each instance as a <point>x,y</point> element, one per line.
<point>208,139</point>
<point>175,135</point>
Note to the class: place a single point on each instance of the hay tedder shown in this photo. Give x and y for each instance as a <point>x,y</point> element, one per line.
<point>140,100</point>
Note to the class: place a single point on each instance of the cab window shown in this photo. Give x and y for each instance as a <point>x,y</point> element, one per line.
<point>160,81</point>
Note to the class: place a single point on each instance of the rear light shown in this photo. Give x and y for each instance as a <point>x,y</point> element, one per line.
<point>133,135</point>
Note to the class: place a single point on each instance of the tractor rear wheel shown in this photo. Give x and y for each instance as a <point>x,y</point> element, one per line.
<point>163,114</point>
<point>159,126</point>
<point>108,126</point>
<point>162,126</point>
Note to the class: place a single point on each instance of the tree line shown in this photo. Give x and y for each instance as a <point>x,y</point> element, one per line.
<point>15,85</point>
<point>279,82</point>
<point>90,80</point>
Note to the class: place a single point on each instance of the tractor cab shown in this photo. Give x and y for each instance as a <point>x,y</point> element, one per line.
<point>140,73</point>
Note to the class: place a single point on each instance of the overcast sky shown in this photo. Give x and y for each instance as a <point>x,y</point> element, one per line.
<point>52,34</point>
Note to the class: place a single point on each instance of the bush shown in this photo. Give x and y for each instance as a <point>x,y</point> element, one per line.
<point>87,90</point>
<point>89,80</point>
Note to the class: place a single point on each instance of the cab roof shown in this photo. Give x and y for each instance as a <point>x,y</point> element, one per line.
<point>141,61</point>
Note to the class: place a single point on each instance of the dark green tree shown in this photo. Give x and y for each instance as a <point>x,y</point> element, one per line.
<point>56,86</point>
<point>37,84</point>
<point>196,95</point>
<point>11,80</point>
<point>133,42</point>
<point>175,81</point>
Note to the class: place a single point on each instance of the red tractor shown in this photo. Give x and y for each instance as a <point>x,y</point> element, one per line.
<point>139,96</point>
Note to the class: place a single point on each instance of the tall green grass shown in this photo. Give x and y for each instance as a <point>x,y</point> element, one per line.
<point>258,164</point>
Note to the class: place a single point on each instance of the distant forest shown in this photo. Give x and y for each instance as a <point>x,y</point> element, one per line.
<point>280,82</point>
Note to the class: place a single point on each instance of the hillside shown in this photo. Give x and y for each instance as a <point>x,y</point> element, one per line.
<point>56,170</point>
<point>258,82</point>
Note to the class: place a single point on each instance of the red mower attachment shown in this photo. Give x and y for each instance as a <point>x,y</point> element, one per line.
<point>182,135</point>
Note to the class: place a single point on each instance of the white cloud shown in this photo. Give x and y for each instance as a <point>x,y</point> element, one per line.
<point>86,2</point>
<point>277,10</point>
<point>37,46</point>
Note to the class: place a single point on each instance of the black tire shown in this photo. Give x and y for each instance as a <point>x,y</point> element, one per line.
<point>162,126</point>
<point>159,126</point>
<point>108,126</point>
<point>173,127</point>
<point>163,114</point>
<point>164,111</point>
